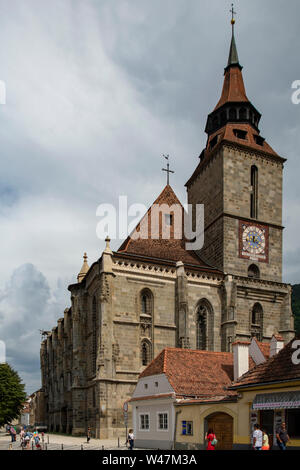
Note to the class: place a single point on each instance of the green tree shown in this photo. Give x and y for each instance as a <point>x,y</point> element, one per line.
<point>12,394</point>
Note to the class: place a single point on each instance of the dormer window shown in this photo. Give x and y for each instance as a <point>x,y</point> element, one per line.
<point>259,140</point>
<point>240,134</point>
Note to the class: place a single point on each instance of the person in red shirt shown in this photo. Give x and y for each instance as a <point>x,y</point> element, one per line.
<point>209,437</point>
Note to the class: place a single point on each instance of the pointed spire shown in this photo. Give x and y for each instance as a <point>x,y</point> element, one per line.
<point>233,58</point>
<point>84,269</point>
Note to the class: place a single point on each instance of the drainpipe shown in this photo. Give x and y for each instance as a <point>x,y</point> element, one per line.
<point>175,429</point>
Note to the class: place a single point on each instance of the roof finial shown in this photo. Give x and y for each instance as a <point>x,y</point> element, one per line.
<point>233,58</point>
<point>232,17</point>
<point>84,269</point>
<point>167,169</point>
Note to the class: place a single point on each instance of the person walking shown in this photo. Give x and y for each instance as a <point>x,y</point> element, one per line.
<point>211,439</point>
<point>88,435</point>
<point>282,436</point>
<point>257,438</point>
<point>265,443</point>
<point>130,439</point>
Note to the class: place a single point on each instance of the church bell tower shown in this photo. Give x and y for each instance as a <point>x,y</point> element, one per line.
<point>239,181</point>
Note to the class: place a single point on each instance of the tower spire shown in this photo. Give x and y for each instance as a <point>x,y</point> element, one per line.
<point>233,58</point>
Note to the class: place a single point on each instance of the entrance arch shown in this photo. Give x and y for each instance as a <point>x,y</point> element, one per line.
<point>222,425</point>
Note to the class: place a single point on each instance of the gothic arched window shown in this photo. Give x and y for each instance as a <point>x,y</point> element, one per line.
<point>232,114</point>
<point>253,271</point>
<point>257,321</point>
<point>254,192</point>
<point>243,114</point>
<point>204,326</point>
<point>94,335</point>
<point>146,302</point>
<point>146,325</point>
<point>146,352</point>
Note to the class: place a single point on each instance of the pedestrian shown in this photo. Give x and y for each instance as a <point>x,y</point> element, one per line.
<point>282,436</point>
<point>257,438</point>
<point>265,442</point>
<point>88,435</point>
<point>22,434</point>
<point>211,439</point>
<point>37,441</point>
<point>27,441</point>
<point>130,439</point>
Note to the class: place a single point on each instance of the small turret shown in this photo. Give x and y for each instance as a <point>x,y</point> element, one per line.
<point>84,269</point>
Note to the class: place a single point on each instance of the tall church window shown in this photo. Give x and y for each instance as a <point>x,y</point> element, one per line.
<point>146,325</point>
<point>146,352</point>
<point>257,321</point>
<point>254,192</point>
<point>94,335</point>
<point>204,326</point>
<point>253,271</point>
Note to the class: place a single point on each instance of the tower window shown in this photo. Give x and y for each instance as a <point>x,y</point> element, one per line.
<point>232,114</point>
<point>254,193</point>
<point>146,352</point>
<point>259,140</point>
<point>243,114</point>
<point>257,321</point>
<point>240,134</point>
<point>253,271</point>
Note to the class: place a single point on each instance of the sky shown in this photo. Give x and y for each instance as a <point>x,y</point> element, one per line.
<point>96,92</point>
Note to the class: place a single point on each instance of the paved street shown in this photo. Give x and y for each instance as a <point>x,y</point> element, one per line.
<point>60,442</point>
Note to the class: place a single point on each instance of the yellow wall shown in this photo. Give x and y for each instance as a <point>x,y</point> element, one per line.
<point>239,411</point>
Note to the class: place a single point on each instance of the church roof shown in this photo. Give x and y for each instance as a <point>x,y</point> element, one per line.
<point>194,373</point>
<point>278,368</point>
<point>171,248</point>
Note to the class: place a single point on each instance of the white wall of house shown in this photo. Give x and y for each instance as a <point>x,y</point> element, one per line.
<point>153,418</point>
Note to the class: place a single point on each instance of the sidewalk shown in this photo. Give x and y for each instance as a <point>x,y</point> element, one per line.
<point>62,442</point>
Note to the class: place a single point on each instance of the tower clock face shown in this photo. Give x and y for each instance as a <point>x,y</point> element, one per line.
<point>253,241</point>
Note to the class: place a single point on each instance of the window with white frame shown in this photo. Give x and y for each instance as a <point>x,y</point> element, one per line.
<point>144,422</point>
<point>163,421</point>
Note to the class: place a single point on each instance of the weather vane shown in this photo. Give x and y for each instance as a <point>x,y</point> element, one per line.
<point>168,168</point>
<point>232,16</point>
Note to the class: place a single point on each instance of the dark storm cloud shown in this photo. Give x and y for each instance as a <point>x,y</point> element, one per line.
<point>27,305</point>
<point>97,91</point>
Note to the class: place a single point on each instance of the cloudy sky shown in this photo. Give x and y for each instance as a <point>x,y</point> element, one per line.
<point>96,92</point>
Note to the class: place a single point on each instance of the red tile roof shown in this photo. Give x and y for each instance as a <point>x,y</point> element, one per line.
<point>194,373</point>
<point>276,369</point>
<point>226,135</point>
<point>233,87</point>
<point>172,248</point>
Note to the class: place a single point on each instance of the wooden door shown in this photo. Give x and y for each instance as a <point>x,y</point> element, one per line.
<point>222,425</point>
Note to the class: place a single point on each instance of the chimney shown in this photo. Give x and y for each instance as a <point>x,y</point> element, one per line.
<point>276,345</point>
<point>240,358</point>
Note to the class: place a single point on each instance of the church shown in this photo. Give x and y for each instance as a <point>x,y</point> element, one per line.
<point>154,293</point>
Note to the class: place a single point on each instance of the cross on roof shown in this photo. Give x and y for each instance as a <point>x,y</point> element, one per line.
<point>232,16</point>
<point>168,168</point>
<point>232,11</point>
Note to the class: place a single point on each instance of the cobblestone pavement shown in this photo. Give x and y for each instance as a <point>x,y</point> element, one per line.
<point>60,442</point>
